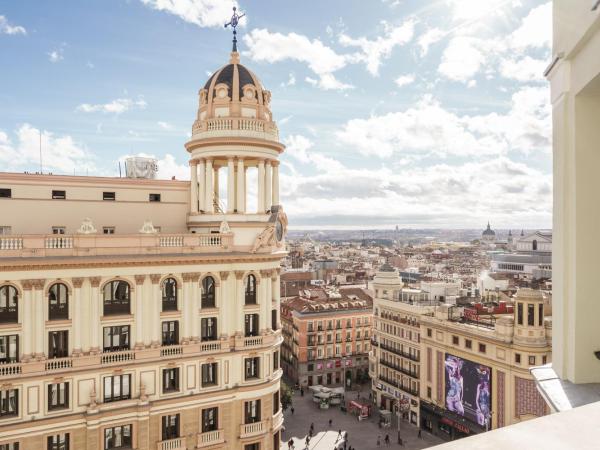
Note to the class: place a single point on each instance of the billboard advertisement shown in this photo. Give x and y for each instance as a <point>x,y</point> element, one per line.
<point>468,389</point>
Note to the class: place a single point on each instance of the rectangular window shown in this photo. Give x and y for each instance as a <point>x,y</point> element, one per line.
<point>310,327</point>
<point>171,380</point>
<point>170,427</point>
<point>255,446</point>
<point>454,340</point>
<point>210,419</point>
<point>208,329</point>
<point>520,313</point>
<point>9,304</point>
<point>517,358</point>
<point>275,361</point>
<point>11,446</point>
<point>5,193</point>
<point>58,442</point>
<point>108,230</point>
<point>544,359</point>
<point>274,319</point>
<point>170,333</point>
<point>116,338</point>
<point>5,230</point>
<point>58,344</point>
<point>276,405</point>
<point>9,403</point>
<point>481,348</point>
<point>532,360</point>
<point>9,348</point>
<point>117,387</point>
<point>109,196</point>
<point>251,368</point>
<point>530,315</point>
<point>540,314</point>
<point>252,411</point>
<point>59,195</point>
<point>116,438</point>
<point>209,374</point>
<point>468,343</point>
<point>59,230</point>
<point>154,197</point>
<point>58,396</point>
<point>251,325</point>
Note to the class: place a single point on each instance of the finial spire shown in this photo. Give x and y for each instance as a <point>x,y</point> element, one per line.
<point>235,20</point>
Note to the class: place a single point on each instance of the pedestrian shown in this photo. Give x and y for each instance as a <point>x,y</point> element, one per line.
<point>307,440</point>
<point>292,410</point>
<point>330,422</point>
<point>339,436</point>
<point>419,434</point>
<point>378,441</point>
<point>301,392</point>
<point>312,426</point>
<point>291,443</point>
<point>387,439</point>
<point>346,436</point>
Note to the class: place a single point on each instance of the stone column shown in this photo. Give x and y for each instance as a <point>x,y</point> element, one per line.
<point>186,325</point>
<point>275,294</point>
<point>139,311</point>
<point>95,304</point>
<point>40,320</point>
<point>208,202</point>
<point>194,186</point>
<point>275,183</point>
<point>77,318</point>
<point>268,185</point>
<point>238,303</point>
<point>230,186</point>
<point>28,320</point>
<point>241,186</point>
<point>155,305</point>
<point>194,306</point>
<point>261,187</point>
<point>223,303</point>
<point>216,184</point>
<point>201,185</point>
<point>265,300</point>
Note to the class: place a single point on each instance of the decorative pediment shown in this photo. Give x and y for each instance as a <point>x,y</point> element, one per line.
<point>87,227</point>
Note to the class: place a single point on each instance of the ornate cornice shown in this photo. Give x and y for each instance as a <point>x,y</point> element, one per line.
<point>38,284</point>
<point>27,284</point>
<point>266,273</point>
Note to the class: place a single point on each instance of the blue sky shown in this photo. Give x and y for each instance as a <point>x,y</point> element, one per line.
<point>409,112</point>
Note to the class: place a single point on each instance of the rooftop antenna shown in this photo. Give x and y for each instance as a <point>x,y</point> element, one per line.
<point>235,19</point>
<point>41,167</point>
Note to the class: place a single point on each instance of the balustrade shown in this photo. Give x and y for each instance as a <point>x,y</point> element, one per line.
<point>210,438</point>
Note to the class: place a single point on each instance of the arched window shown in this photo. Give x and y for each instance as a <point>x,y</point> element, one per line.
<point>9,304</point>
<point>208,292</point>
<point>251,290</point>
<point>534,244</point>
<point>58,302</point>
<point>169,295</point>
<point>116,298</point>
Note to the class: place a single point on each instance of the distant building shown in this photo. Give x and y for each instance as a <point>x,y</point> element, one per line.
<point>326,336</point>
<point>488,236</point>
<point>476,360</point>
<point>533,256</point>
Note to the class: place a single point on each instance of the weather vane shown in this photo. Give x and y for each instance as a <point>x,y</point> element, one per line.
<point>235,20</point>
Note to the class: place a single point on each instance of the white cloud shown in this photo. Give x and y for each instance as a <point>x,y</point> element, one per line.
<point>7,28</point>
<point>291,80</point>
<point>204,13</point>
<point>463,58</point>
<point>117,106</point>
<point>429,38</point>
<point>59,153</point>
<point>322,60</point>
<point>375,50</point>
<point>164,125</point>
<point>404,80</point>
<point>56,55</point>
<point>523,69</point>
<point>428,129</point>
<point>535,30</point>
<point>474,10</point>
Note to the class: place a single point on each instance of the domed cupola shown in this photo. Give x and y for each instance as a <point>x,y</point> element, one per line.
<point>233,98</point>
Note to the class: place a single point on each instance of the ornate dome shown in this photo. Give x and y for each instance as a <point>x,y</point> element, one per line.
<point>488,231</point>
<point>234,76</point>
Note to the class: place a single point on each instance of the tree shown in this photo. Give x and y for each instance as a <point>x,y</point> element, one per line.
<point>285,395</point>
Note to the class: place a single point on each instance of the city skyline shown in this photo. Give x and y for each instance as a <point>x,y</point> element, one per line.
<point>431,115</point>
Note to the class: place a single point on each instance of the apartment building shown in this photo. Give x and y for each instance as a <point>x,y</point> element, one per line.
<point>141,313</point>
<point>326,336</point>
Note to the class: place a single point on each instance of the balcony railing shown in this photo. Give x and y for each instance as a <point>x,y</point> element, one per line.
<point>117,357</point>
<point>59,364</point>
<point>114,244</point>
<point>398,368</point>
<point>172,444</point>
<point>210,438</point>
<point>399,352</point>
<point>226,126</point>
<point>171,350</point>
<point>252,429</point>
<point>398,385</point>
<point>10,369</point>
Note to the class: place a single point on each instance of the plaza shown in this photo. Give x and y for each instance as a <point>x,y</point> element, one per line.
<point>362,435</point>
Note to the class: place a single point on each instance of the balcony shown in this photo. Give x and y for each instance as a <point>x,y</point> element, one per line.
<point>172,444</point>
<point>105,245</point>
<point>210,438</point>
<point>252,429</point>
<point>109,358</point>
<point>231,127</point>
<point>398,368</point>
<point>278,420</point>
<point>398,352</point>
<point>398,385</point>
